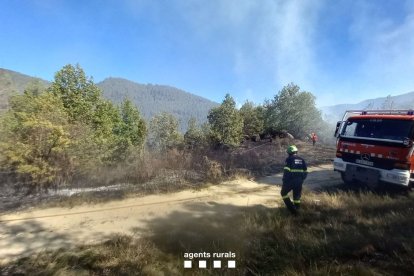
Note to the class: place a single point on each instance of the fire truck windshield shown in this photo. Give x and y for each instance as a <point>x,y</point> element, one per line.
<point>387,129</point>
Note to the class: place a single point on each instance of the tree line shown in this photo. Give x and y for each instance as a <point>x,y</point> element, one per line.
<point>154,99</point>
<point>50,135</point>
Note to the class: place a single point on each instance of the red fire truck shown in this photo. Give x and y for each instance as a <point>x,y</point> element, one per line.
<point>376,146</point>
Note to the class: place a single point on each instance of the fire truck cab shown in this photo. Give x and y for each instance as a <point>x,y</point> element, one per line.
<point>376,146</point>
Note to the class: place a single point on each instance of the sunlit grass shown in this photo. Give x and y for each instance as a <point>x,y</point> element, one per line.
<point>345,233</point>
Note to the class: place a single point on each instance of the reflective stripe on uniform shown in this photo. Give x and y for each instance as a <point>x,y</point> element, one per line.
<point>294,170</point>
<point>296,201</point>
<point>297,170</point>
<point>286,196</point>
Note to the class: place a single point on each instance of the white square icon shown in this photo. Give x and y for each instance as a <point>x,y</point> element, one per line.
<point>217,264</point>
<point>202,264</point>
<point>187,264</point>
<point>231,264</point>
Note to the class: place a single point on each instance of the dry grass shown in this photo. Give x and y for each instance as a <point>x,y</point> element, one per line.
<point>343,233</point>
<point>148,174</point>
<point>120,255</point>
<point>170,171</point>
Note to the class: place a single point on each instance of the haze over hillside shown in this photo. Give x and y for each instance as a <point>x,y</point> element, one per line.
<point>11,81</point>
<point>335,112</point>
<point>153,99</point>
<point>150,99</point>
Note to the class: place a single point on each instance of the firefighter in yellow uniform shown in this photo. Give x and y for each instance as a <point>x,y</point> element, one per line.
<point>294,173</point>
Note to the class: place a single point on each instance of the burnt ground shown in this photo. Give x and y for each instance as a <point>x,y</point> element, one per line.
<point>265,158</point>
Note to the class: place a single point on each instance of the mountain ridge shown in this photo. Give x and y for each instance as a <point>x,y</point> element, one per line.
<point>334,113</point>
<point>14,82</point>
<point>151,99</point>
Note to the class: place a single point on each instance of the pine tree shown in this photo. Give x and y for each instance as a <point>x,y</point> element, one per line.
<point>226,123</point>
<point>35,139</point>
<point>131,131</point>
<point>164,133</point>
<point>78,93</point>
<point>193,138</point>
<point>252,119</point>
<point>292,110</point>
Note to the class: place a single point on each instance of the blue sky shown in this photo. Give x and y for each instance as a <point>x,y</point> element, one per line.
<point>341,51</point>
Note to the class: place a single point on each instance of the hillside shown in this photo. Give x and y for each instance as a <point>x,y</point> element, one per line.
<point>153,99</point>
<point>404,101</point>
<point>13,82</point>
<point>150,99</point>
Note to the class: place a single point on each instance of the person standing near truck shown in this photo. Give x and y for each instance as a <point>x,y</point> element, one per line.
<point>314,138</point>
<point>294,173</point>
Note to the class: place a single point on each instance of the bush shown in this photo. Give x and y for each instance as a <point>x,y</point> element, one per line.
<point>164,133</point>
<point>213,170</point>
<point>36,140</point>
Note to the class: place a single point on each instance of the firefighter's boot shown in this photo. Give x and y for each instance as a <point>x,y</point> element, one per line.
<point>296,202</point>
<point>289,204</point>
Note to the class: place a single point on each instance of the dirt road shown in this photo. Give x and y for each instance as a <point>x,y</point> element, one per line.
<point>24,233</point>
